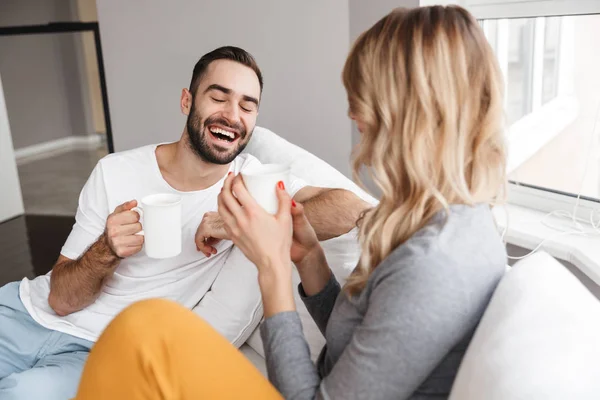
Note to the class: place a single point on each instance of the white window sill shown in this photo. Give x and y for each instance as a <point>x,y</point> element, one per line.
<point>525,229</point>
<point>534,131</point>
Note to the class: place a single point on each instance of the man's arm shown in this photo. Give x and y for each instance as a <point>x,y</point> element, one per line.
<point>75,284</point>
<point>331,212</point>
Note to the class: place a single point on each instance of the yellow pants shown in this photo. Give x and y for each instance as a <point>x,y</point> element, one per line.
<point>156,349</point>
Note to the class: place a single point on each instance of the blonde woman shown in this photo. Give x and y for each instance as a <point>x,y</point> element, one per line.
<point>426,94</point>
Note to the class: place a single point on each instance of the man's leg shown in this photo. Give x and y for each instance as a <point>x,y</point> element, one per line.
<point>21,338</point>
<point>54,377</point>
<point>35,362</point>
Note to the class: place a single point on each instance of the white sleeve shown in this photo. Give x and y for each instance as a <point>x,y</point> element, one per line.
<point>233,305</point>
<point>90,220</point>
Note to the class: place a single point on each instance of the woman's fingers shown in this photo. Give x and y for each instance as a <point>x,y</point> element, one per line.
<point>228,218</point>
<point>285,202</point>
<point>297,211</point>
<point>242,194</point>
<point>229,200</point>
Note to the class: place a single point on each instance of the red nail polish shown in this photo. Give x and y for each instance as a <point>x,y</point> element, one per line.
<point>293,203</point>
<point>229,173</point>
<point>280,185</point>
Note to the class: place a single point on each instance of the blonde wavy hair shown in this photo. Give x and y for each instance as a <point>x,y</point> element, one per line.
<point>427,92</point>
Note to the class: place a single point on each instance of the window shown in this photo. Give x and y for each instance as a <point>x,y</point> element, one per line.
<point>551,67</point>
<point>551,59</point>
<point>519,69</point>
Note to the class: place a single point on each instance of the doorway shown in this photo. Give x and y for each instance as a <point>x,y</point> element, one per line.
<point>57,140</point>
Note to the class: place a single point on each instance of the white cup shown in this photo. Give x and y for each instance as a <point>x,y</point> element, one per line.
<point>160,215</point>
<point>261,182</point>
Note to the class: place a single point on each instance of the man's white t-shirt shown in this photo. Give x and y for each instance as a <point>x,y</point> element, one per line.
<point>186,278</point>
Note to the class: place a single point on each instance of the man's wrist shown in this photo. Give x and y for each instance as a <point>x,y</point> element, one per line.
<point>108,255</point>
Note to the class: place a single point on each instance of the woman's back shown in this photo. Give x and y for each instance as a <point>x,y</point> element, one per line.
<point>412,323</point>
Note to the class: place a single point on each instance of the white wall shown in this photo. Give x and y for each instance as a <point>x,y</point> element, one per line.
<point>363,15</point>
<point>443,2</point>
<point>150,48</point>
<point>11,202</point>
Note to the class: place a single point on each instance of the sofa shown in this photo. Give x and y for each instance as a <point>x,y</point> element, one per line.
<point>539,337</point>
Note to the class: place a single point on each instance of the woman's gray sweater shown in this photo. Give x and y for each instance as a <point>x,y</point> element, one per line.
<point>404,335</point>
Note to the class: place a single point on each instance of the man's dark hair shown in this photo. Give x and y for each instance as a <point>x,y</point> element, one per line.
<point>224,53</point>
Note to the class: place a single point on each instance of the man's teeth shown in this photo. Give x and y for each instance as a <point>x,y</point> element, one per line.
<point>223,132</point>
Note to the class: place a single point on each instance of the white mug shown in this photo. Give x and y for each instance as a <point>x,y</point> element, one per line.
<point>160,215</point>
<point>261,182</point>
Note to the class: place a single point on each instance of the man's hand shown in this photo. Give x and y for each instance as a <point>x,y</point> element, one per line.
<point>121,228</point>
<point>75,284</point>
<point>210,232</point>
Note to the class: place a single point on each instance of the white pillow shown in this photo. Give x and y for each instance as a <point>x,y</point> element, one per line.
<point>538,339</point>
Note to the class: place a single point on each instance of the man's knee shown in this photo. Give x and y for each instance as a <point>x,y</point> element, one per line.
<point>151,313</point>
<point>35,384</point>
<point>153,319</point>
<point>152,307</point>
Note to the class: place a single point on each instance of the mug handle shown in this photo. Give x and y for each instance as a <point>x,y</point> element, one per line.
<point>140,211</point>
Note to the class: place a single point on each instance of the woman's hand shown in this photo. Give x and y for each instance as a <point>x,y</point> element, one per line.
<point>264,238</point>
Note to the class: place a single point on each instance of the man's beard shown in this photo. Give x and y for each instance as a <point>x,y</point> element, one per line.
<point>206,151</point>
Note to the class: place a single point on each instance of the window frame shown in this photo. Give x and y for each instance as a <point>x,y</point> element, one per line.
<point>531,196</point>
